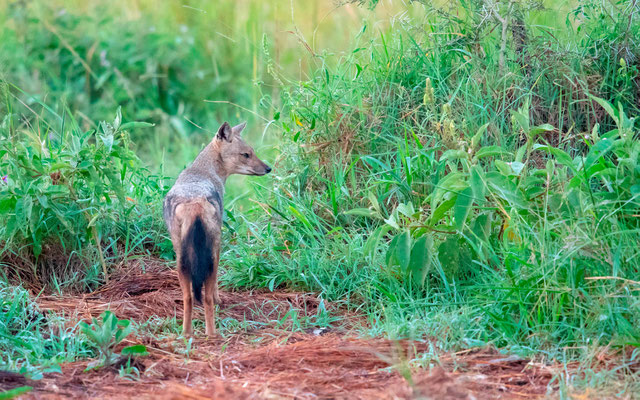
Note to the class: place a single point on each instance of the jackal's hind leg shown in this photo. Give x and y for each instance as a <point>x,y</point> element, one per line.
<point>185,285</point>
<point>216,263</point>
<point>209,307</point>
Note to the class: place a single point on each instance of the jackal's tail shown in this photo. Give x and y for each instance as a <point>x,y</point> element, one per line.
<point>197,259</point>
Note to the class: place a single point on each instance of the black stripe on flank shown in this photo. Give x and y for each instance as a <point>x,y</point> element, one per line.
<point>214,199</point>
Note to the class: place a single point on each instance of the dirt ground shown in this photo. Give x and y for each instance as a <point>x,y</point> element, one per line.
<point>265,359</point>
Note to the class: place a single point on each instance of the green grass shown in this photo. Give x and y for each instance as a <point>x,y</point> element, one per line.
<point>394,201</point>
<point>32,342</point>
<point>449,181</point>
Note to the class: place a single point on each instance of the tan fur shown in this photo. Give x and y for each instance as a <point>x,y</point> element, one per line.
<point>184,217</point>
<point>198,193</point>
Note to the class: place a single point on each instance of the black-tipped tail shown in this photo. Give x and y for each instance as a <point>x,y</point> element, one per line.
<point>197,256</point>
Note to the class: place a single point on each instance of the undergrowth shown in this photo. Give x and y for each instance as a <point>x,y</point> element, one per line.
<point>456,192</point>
<point>31,342</point>
<point>73,202</point>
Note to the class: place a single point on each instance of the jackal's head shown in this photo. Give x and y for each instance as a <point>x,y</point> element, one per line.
<point>236,155</point>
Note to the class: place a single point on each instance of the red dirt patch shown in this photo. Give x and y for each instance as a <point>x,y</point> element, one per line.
<point>149,288</point>
<point>272,361</point>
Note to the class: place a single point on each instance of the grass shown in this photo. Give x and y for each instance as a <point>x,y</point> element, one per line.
<point>447,178</point>
<point>32,343</point>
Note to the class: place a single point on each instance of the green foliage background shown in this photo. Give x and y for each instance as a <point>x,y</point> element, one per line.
<point>466,171</point>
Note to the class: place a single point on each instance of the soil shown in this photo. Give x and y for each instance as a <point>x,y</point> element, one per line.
<point>268,358</point>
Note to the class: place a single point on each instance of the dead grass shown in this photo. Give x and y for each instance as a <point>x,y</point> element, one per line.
<point>302,367</point>
<point>272,362</point>
<point>148,288</point>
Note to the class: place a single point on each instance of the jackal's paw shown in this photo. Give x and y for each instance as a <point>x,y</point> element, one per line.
<point>210,334</point>
<point>218,300</point>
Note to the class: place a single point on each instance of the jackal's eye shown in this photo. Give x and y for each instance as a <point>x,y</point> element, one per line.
<point>245,155</point>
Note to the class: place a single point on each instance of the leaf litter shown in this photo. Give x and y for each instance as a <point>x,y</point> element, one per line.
<point>271,358</point>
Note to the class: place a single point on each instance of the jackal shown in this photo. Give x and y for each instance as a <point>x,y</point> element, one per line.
<point>193,214</point>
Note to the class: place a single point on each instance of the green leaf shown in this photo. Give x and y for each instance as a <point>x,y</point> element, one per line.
<point>37,248</point>
<point>503,167</point>
<point>300,217</point>
<point>476,181</point>
<point>521,152</point>
<point>390,257</point>
<point>475,140</point>
<point>454,255</point>
<point>452,183</point>
<point>374,202</point>
<point>462,207</point>
<point>441,210</point>
<point>420,262</point>
<point>93,220</point>
<point>491,151</point>
<point>598,150</point>
<point>7,204</point>
<point>516,167</point>
<point>392,221</point>
<point>536,130</point>
<point>362,212</point>
<point>118,119</point>
<point>372,242</point>
<point>502,187</point>
<point>482,227</point>
<point>135,350</point>
<point>55,368</point>
<point>124,323</point>
<point>135,125</point>
<point>358,71</point>
<point>403,249</point>
<point>13,393</point>
<point>406,209</point>
<point>448,255</point>
<point>522,116</point>
<point>608,107</point>
<point>107,140</point>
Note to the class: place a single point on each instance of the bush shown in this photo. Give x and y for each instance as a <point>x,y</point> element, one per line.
<point>73,202</point>
<point>424,173</point>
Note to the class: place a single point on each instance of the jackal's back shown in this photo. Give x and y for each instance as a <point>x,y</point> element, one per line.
<point>192,185</point>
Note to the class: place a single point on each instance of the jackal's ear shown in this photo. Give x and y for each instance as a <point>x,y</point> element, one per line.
<point>224,132</point>
<point>239,128</point>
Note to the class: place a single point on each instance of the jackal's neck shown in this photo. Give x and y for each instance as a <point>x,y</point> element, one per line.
<point>209,162</point>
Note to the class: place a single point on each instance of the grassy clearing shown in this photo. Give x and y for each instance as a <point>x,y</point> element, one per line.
<point>466,173</point>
